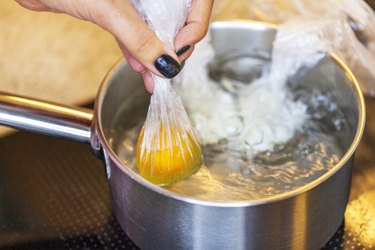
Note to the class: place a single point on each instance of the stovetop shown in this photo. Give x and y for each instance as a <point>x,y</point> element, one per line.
<point>54,195</point>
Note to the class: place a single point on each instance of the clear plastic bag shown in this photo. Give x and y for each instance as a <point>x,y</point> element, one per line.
<point>168,149</point>
<point>344,27</point>
<point>235,124</point>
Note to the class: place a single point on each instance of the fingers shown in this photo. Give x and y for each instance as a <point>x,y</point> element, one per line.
<point>196,27</point>
<point>148,81</point>
<point>134,64</point>
<point>139,40</point>
<point>138,67</point>
<point>33,5</point>
<point>184,53</point>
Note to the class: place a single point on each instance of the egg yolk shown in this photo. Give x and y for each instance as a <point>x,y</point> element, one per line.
<point>169,158</point>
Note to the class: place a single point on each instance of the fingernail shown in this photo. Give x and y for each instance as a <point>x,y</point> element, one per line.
<point>167,66</point>
<point>183,50</point>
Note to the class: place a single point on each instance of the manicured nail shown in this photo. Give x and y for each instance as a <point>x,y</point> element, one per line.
<point>167,66</point>
<point>183,50</point>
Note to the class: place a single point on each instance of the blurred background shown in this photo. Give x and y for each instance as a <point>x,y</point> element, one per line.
<point>53,193</point>
<point>52,56</point>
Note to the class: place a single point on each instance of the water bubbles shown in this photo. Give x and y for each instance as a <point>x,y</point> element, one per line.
<point>319,112</point>
<point>325,114</point>
<point>332,106</point>
<point>252,136</point>
<point>305,149</point>
<point>233,126</point>
<point>322,99</point>
<point>339,123</point>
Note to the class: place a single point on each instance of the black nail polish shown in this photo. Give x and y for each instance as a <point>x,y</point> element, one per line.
<point>167,66</point>
<point>183,50</point>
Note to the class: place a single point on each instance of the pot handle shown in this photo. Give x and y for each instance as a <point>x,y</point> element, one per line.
<point>45,117</point>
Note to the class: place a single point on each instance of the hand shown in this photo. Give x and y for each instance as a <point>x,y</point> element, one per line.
<point>139,44</point>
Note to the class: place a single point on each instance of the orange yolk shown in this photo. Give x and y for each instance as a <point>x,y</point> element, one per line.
<point>168,160</point>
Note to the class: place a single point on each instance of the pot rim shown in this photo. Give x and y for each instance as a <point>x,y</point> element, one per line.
<point>232,204</point>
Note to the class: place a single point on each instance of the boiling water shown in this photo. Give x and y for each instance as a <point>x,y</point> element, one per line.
<point>229,174</point>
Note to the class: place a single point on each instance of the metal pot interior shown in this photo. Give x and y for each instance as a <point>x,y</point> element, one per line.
<point>122,93</point>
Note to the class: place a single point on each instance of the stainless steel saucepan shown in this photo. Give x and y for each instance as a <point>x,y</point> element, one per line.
<point>155,218</point>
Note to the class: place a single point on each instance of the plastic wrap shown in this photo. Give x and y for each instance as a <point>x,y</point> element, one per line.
<point>168,149</point>
<point>253,117</point>
<point>344,27</point>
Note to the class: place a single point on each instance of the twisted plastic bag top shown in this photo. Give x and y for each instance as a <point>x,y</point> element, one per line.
<point>345,27</point>
<point>168,149</point>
